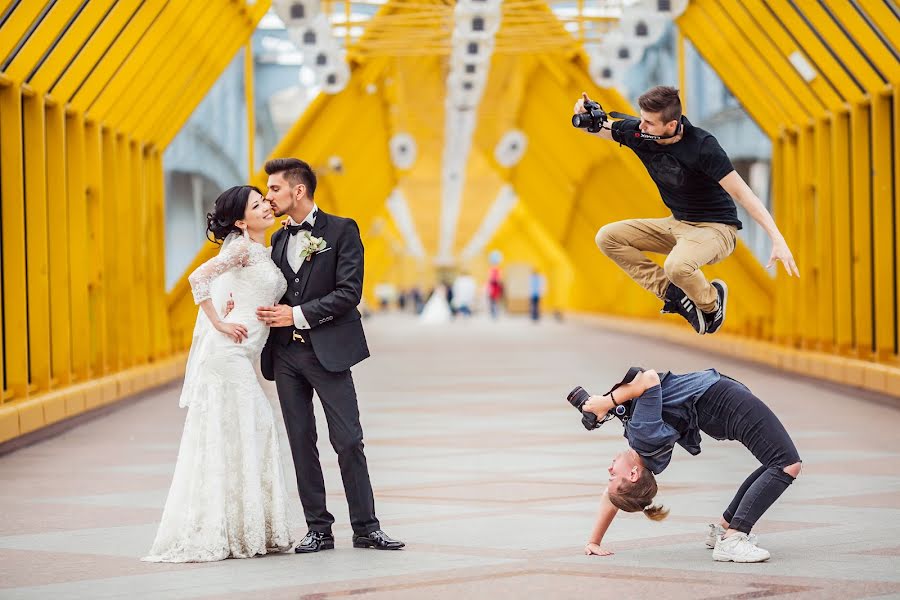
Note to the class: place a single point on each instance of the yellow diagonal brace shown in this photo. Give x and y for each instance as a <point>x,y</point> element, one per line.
<point>98,43</point>
<point>181,45</point>
<point>775,30</point>
<point>41,39</point>
<point>133,73</point>
<point>755,64</point>
<point>70,44</point>
<point>815,49</point>
<point>841,45</point>
<point>17,25</point>
<point>703,35</point>
<point>865,36</point>
<point>125,43</point>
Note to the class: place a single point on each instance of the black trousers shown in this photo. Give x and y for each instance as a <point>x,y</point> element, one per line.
<point>729,411</point>
<point>297,373</point>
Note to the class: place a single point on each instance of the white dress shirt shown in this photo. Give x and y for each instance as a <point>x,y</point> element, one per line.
<point>296,263</point>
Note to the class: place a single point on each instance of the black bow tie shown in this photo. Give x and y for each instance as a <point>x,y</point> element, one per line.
<point>294,229</point>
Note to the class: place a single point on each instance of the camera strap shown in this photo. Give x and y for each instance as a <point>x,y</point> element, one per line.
<point>648,136</point>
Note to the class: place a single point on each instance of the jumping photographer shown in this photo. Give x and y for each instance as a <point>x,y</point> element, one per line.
<point>698,183</point>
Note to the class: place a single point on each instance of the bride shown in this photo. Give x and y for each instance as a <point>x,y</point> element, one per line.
<point>228,498</point>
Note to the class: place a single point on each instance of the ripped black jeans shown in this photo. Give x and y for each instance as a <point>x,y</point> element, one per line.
<point>730,411</point>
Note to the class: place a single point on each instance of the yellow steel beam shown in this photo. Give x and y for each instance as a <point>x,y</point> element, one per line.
<point>160,322</point>
<point>59,312</point>
<point>884,18</point>
<point>175,47</point>
<point>36,234</point>
<point>769,27</point>
<point>93,50</point>
<point>95,209</point>
<point>773,45</point>
<point>838,42</point>
<point>896,166</point>
<point>189,81</point>
<point>882,234</point>
<point>122,211</point>
<point>17,24</point>
<point>41,39</point>
<point>15,298</point>
<point>841,241</point>
<point>79,247</point>
<point>70,44</point>
<point>860,167</point>
<point>707,42</point>
<point>803,243</point>
<point>862,34</point>
<point>119,51</point>
<point>824,236</point>
<point>755,64</point>
<point>813,47</point>
<point>111,273</point>
<point>250,103</point>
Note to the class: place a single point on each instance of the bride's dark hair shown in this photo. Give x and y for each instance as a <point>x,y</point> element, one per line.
<point>231,205</point>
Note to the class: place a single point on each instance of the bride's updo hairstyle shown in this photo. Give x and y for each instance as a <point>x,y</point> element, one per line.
<point>231,206</point>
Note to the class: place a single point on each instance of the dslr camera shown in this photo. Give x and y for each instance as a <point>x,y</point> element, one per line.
<point>592,120</point>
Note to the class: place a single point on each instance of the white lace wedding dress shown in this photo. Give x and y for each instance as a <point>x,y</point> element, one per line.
<point>228,493</point>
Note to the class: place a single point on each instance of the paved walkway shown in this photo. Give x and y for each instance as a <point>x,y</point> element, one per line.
<point>481,466</point>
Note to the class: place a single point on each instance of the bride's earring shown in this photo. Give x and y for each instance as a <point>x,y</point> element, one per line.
<point>246,234</point>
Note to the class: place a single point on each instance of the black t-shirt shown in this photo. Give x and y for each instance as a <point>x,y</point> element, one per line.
<point>687,172</point>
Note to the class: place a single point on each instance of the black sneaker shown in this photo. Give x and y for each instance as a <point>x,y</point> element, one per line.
<point>715,319</point>
<point>676,302</point>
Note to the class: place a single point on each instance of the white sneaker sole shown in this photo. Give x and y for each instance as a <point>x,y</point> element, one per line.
<point>738,559</point>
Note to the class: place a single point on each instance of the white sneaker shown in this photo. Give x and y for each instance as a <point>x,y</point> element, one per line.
<point>737,548</point>
<point>716,531</point>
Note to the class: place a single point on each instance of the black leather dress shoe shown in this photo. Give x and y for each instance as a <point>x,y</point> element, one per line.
<point>314,541</point>
<point>378,540</point>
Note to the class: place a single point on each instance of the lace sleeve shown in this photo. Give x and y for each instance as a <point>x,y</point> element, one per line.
<point>230,257</point>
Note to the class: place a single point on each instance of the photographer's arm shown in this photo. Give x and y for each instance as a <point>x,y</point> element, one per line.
<point>738,189</point>
<point>600,405</point>
<point>605,516</point>
<point>606,134</point>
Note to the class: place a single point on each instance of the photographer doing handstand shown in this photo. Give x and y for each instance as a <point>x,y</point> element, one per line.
<point>659,411</point>
<point>699,185</point>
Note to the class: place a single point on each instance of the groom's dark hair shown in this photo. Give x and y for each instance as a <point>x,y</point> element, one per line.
<point>295,171</point>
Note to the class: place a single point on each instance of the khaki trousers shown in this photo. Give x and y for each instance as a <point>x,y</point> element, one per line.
<point>688,245</point>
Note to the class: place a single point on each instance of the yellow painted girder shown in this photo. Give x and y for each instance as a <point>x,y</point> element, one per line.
<point>861,33</point>
<point>125,42</point>
<point>841,45</point>
<point>97,44</point>
<point>753,16</point>
<point>70,44</point>
<point>40,40</point>
<point>815,49</point>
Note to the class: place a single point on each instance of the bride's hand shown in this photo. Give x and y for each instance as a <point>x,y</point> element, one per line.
<point>235,331</point>
<point>229,306</point>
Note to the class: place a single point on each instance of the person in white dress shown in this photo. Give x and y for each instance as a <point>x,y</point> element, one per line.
<point>228,497</point>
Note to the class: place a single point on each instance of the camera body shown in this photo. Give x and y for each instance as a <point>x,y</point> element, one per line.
<point>593,119</point>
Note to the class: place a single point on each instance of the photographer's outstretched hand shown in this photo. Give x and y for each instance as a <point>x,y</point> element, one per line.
<point>579,105</point>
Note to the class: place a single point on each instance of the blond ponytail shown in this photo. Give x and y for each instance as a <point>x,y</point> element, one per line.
<point>656,512</point>
<point>638,496</point>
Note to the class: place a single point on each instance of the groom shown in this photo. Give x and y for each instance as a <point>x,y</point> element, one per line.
<point>316,337</point>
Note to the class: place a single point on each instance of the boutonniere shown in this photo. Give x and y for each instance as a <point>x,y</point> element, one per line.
<point>310,245</point>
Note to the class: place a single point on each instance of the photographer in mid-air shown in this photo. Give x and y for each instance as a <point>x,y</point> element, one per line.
<point>699,185</point>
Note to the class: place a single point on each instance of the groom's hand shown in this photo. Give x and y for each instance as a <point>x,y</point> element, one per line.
<point>280,315</point>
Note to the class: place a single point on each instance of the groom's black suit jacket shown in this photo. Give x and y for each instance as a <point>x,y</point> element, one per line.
<point>328,289</point>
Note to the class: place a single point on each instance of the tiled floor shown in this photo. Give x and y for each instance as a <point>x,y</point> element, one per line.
<point>481,466</point>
